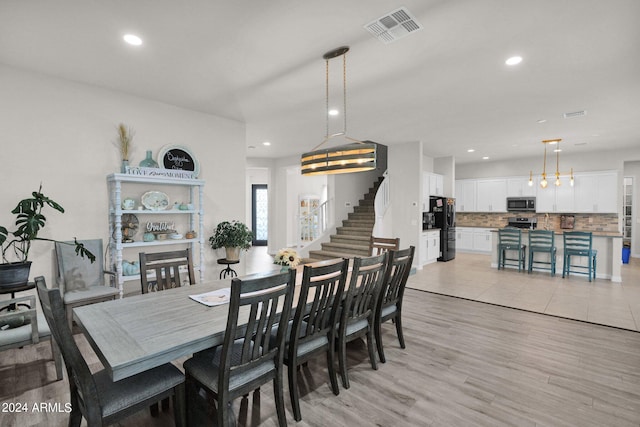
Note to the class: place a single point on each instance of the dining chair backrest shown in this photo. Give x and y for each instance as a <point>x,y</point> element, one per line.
<point>166,266</point>
<point>258,303</point>
<point>397,273</point>
<point>322,288</point>
<point>377,245</point>
<point>367,275</point>
<point>578,242</point>
<point>510,236</point>
<point>81,382</point>
<point>541,240</point>
<point>75,273</point>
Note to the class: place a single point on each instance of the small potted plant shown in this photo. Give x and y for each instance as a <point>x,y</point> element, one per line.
<point>16,244</point>
<point>232,236</point>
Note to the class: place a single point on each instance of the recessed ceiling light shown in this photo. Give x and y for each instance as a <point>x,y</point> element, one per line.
<point>514,60</point>
<point>485,158</point>
<point>132,39</point>
<point>470,150</point>
<point>541,121</point>
<point>333,112</point>
<point>266,143</point>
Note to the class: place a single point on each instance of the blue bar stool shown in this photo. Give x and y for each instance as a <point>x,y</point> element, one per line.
<point>542,241</point>
<point>579,243</point>
<point>510,239</point>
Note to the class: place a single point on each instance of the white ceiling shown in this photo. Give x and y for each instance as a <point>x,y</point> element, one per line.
<point>260,62</point>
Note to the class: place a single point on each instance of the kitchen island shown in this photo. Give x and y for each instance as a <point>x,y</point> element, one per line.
<point>608,244</point>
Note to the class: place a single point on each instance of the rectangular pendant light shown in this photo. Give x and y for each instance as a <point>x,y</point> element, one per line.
<point>356,157</point>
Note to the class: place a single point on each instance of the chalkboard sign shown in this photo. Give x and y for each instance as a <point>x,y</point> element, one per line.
<point>178,157</point>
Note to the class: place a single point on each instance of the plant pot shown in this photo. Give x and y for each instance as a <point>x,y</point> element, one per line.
<point>14,274</point>
<point>233,254</point>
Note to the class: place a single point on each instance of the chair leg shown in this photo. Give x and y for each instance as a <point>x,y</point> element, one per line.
<point>342,359</point>
<point>57,358</point>
<point>279,398</point>
<point>75,418</point>
<point>530,262</point>
<point>378,332</point>
<point>370,347</point>
<point>179,410</point>
<point>331,367</point>
<point>590,264</point>
<point>293,390</point>
<point>564,264</point>
<point>398,320</point>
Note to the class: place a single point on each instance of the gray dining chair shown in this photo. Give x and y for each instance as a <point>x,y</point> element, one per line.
<point>389,306</point>
<point>94,396</point>
<point>359,308</point>
<point>166,266</point>
<point>25,327</point>
<point>313,329</point>
<point>80,281</point>
<point>377,245</point>
<point>247,358</point>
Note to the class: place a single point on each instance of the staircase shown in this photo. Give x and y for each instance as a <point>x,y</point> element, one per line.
<point>352,239</point>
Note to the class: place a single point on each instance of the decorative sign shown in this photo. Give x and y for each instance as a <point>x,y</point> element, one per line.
<point>178,157</point>
<point>162,226</point>
<point>169,173</point>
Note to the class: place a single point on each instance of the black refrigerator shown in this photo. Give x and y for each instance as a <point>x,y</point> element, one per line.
<point>444,212</point>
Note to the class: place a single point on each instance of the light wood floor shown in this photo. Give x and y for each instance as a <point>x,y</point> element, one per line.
<point>466,363</point>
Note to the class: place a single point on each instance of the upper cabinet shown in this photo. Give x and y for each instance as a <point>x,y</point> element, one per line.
<point>432,185</point>
<point>491,195</point>
<point>466,195</point>
<point>519,187</point>
<point>596,192</point>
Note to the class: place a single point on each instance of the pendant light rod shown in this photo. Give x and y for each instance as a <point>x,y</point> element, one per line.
<point>543,182</point>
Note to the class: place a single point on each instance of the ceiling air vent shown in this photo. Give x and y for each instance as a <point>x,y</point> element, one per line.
<point>394,25</point>
<point>574,114</point>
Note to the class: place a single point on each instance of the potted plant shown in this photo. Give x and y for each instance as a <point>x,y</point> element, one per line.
<point>232,236</point>
<point>16,244</point>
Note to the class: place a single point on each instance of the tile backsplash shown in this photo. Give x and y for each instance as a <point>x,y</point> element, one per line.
<point>583,222</point>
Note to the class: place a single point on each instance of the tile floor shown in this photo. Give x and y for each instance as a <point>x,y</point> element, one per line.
<point>470,276</point>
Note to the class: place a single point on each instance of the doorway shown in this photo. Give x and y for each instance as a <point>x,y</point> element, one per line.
<point>259,214</point>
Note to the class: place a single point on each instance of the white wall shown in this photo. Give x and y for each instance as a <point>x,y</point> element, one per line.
<point>61,134</point>
<point>405,169</point>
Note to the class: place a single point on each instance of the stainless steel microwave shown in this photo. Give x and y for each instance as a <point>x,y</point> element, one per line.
<point>521,204</point>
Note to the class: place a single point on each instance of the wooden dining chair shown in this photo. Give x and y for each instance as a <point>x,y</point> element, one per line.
<point>19,328</point>
<point>82,282</point>
<point>247,358</point>
<point>359,308</point>
<point>95,396</point>
<point>377,245</point>
<point>166,267</point>
<point>313,330</point>
<point>389,305</point>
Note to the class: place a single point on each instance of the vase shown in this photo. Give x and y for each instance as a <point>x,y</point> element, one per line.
<point>233,253</point>
<point>14,274</point>
<point>124,168</point>
<point>148,162</point>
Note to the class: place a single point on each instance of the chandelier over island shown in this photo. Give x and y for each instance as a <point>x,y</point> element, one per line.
<point>356,156</point>
<point>557,150</point>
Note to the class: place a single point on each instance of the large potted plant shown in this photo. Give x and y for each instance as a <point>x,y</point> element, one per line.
<point>16,244</point>
<point>232,236</point>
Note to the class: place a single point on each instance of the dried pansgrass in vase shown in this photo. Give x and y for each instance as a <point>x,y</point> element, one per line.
<point>123,143</point>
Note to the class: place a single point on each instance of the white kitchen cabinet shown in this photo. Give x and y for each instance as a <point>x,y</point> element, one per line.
<point>188,192</point>
<point>473,239</point>
<point>429,247</point>
<point>491,195</point>
<point>596,192</point>
<point>436,183</point>
<point>555,199</point>
<point>519,187</point>
<point>466,195</point>
<point>464,238</point>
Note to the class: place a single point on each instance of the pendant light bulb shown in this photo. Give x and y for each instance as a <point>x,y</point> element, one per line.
<point>530,178</point>
<point>544,183</point>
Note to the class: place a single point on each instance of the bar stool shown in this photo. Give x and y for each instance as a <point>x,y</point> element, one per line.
<point>579,243</point>
<point>510,239</point>
<point>542,241</point>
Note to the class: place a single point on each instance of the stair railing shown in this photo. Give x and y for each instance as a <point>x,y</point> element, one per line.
<point>381,204</point>
<point>314,224</point>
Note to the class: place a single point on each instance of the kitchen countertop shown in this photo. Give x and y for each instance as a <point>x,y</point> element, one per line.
<point>612,234</point>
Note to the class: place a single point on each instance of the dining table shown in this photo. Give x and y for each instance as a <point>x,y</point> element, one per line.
<point>137,333</point>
